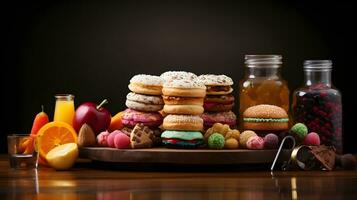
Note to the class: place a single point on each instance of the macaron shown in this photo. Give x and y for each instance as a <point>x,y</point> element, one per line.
<point>183,123</point>
<point>132,117</point>
<point>218,103</point>
<point>265,117</point>
<point>146,84</point>
<point>184,88</point>
<point>141,102</point>
<point>255,142</point>
<point>217,84</point>
<point>121,141</point>
<point>182,139</point>
<point>220,117</point>
<point>177,75</point>
<point>244,137</point>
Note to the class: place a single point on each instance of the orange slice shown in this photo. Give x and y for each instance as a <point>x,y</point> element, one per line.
<point>54,134</point>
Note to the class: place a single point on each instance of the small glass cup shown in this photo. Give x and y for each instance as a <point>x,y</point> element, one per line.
<point>64,109</point>
<point>22,152</point>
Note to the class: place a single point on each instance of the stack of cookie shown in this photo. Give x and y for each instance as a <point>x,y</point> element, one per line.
<point>219,101</point>
<point>143,102</point>
<point>183,96</point>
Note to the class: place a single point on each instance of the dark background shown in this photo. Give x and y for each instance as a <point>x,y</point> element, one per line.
<point>92,49</point>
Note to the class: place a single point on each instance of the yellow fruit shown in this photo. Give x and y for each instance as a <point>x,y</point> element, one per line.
<point>62,157</point>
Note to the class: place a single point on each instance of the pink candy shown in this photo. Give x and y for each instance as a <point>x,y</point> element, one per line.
<point>115,139</point>
<point>312,139</point>
<point>255,142</point>
<point>102,138</point>
<point>121,141</point>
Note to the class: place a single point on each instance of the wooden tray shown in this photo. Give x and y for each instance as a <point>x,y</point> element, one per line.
<point>182,156</point>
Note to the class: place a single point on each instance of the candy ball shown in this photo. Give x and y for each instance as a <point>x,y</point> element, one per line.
<point>102,138</point>
<point>271,141</point>
<point>121,141</point>
<point>231,143</point>
<point>255,142</point>
<point>312,139</point>
<point>110,138</point>
<point>216,141</point>
<point>299,130</point>
<point>243,138</point>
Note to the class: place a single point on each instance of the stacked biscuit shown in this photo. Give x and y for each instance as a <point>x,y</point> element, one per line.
<point>183,95</point>
<point>219,101</point>
<point>143,102</point>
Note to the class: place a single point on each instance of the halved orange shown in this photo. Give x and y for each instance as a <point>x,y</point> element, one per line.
<point>54,134</point>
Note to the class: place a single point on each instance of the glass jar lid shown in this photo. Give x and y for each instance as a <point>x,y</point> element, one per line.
<point>317,65</point>
<point>273,61</point>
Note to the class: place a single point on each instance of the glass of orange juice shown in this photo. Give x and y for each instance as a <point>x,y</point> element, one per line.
<point>64,110</point>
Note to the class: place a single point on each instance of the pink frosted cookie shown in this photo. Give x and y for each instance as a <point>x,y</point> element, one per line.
<point>102,138</point>
<point>221,117</point>
<point>110,138</point>
<point>132,117</point>
<point>121,141</point>
<point>255,142</point>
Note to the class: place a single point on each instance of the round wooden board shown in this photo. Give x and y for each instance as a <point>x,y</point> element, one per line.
<point>182,156</point>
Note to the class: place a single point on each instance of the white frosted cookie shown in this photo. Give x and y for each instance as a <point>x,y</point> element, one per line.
<point>215,80</point>
<point>177,75</point>
<point>217,84</point>
<point>147,79</point>
<point>146,84</point>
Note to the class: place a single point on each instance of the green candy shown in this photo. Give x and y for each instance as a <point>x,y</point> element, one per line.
<point>300,130</point>
<point>216,141</point>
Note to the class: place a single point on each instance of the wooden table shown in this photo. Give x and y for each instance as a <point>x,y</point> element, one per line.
<point>86,182</point>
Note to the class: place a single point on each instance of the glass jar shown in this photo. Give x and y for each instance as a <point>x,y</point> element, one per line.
<point>64,109</point>
<point>318,104</point>
<point>263,83</point>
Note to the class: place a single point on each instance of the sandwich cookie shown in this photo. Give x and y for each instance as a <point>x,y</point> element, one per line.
<point>182,139</point>
<point>143,102</point>
<point>184,88</point>
<point>265,118</point>
<point>220,117</point>
<point>217,84</point>
<point>218,103</point>
<point>183,123</point>
<point>177,75</point>
<point>146,84</point>
<point>132,117</point>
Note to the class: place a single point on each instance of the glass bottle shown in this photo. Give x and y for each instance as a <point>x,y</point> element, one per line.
<point>64,110</point>
<point>263,83</point>
<point>318,104</point>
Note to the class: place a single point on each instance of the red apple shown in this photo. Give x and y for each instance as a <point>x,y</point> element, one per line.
<point>97,117</point>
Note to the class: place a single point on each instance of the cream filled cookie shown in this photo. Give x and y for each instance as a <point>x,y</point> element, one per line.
<point>171,100</point>
<point>184,109</point>
<point>183,123</point>
<point>146,84</point>
<point>144,102</point>
<point>217,84</point>
<point>184,88</point>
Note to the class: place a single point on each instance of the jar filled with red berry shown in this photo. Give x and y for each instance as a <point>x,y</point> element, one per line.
<point>318,104</point>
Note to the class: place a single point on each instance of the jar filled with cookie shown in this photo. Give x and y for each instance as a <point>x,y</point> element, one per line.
<point>263,83</point>
<point>318,104</point>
